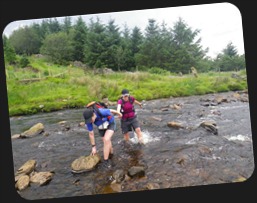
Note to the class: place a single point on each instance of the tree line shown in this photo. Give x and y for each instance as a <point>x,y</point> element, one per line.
<point>98,45</point>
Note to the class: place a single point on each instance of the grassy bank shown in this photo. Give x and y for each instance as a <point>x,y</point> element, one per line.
<point>55,87</point>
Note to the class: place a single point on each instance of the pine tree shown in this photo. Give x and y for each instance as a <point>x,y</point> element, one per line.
<point>67,24</point>
<point>79,39</point>
<point>187,51</point>
<point>149,51</point>
<point>95,44</point>
<point>111,44</point>
<point>9,53</point>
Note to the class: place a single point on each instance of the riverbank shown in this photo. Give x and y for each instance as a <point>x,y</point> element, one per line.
<point>36,89</point>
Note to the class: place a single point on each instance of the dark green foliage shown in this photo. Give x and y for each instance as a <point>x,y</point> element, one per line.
<point>9,52</point>
<point>46,73</point>
<point>236,86</point>
<point>67,24</point>
<point>57,47</point>
<point>95,48</point>
<point>230,50</point>
<point>79,40</point>
<point>25,41</point>
<point>54,25</point>
<point>150,54</point>
<point>174,49</point>
<point>229,60</point>
<point>24,62</point>
<point>111,45</point>
<point>187,51</point>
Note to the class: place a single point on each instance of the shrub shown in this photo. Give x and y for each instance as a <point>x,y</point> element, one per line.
<point>159,71</point>
<point>24,61</point>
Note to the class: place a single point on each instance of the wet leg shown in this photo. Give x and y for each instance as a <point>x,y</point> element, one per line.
<point>126,136</point>
<point>107,143</point>
<point>139,135</point>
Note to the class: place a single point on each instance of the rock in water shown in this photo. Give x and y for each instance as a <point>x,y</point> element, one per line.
<point>210,126</point>
<point>27,168</point>
<point>33,131</point>
<point>23,182</point>
<point>42,178</point>
<point>85,163</point>
<point>174,124</point>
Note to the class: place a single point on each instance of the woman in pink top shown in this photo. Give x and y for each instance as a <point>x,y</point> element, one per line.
<point>125,105</point>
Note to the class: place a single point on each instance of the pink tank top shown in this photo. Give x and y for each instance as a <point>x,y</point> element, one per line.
<point>127,109</point>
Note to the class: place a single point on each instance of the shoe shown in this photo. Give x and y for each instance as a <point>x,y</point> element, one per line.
<point>107,164</point>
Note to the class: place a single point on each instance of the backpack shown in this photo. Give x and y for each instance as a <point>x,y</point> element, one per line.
<point>95,106</point>
<point>123,102</point>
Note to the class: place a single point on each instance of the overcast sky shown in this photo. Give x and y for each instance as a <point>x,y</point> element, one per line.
<point>219,23</point>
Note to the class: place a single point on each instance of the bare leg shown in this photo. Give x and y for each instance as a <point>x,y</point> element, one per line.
<point>107,143</point>
<point>126,136</point>
<point>111,150</point>
<point>139,135</point>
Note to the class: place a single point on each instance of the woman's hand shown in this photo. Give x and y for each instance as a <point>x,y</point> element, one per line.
<point>93,152</point>
<point>138,103</point>
<point>116,112</point>
<point>120,114</point>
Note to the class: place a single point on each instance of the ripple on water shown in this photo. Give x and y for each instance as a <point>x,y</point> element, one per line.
<point>148,137</point>
<point>232,107</point>
<point>239,138</point>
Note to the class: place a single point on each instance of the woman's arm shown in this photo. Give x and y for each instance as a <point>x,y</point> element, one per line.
<point>116,112</point>
<point>92,141</point>
<point>138,103</point>
<point>118,107</point>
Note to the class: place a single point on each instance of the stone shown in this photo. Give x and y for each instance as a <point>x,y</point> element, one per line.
<point>34,130</point>
<point>85,163</point>
<point>27,167</point>
<point>22,183</point>
<point>41,178</point>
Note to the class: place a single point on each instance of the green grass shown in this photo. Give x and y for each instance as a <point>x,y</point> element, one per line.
<point>78,87</point>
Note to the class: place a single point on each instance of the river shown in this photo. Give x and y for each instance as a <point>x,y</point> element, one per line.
<point>171,157</point>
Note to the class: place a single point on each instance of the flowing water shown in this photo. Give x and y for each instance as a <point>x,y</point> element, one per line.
<point>171,157</point>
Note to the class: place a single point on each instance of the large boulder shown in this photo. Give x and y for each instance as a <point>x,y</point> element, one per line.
<point>26,168</point>
<point>85,163</point>
<point>41,178</point>
<point>26,174</point>
<point>136,171</point>
<point>173,124</point>
<point>118,176</point>
<point>23,182</point>
<point>33,131</point>
<point>209,126</point>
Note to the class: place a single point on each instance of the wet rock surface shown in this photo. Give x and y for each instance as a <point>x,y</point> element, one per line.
<point>27,174</point>
<point>189,141</point>
<point>85,163</point>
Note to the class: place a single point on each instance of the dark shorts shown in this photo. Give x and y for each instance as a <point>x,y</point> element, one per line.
<point>129,124</point>
<point>111,126</point>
